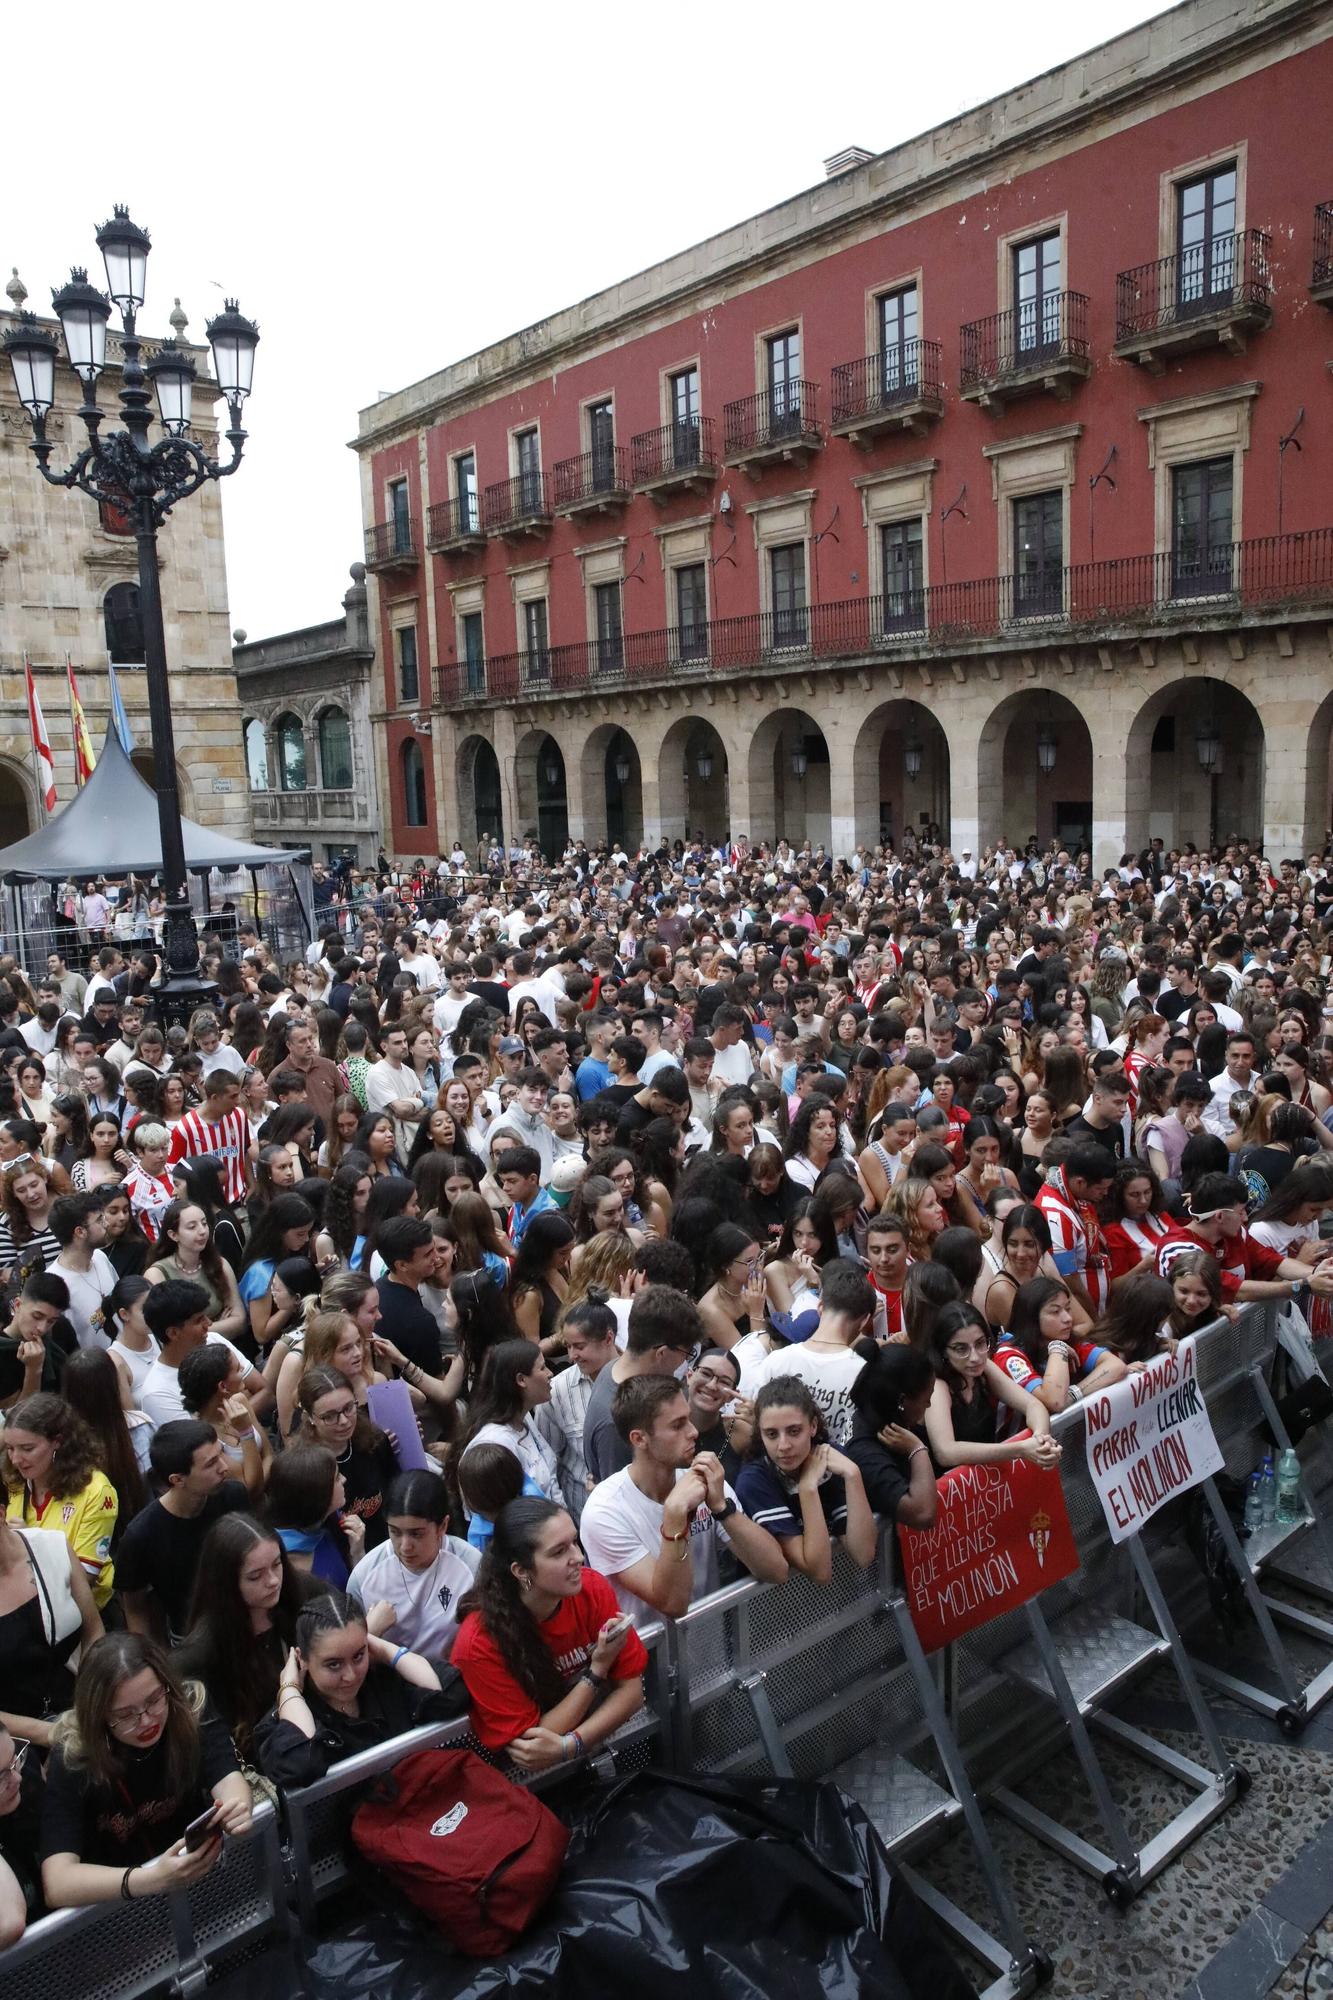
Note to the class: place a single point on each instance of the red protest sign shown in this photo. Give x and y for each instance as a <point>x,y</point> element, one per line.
<point>1001,1536</point>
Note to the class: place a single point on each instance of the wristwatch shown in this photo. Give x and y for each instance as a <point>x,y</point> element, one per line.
<point>725,1511</point>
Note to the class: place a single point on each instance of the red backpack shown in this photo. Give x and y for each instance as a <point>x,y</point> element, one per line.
<point>472,1851</point>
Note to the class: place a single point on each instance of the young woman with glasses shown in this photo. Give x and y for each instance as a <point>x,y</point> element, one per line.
<point>974,1402</point>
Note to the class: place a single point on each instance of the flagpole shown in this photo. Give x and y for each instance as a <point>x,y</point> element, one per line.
<point>73,724</point>
<point>39,782</point>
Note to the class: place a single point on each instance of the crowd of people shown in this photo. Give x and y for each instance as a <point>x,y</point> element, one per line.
<point>551,1244</point>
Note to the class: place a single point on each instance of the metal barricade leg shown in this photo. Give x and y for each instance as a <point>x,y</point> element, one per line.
<point>1124,1859</point>
<point>1292,1699</point>
<point>1027,1965</point>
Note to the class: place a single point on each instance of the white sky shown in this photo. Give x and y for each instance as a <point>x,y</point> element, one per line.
<point>387,188</point>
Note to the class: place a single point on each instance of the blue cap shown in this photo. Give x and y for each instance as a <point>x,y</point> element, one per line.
<point>795,1327</point>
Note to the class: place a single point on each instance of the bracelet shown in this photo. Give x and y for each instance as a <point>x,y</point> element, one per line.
<point>565,1752</point>
<point>683,1536</point>
<point>290,1694</point>
<point>125,1895</point>
<point>916,1454</point>
<point>578,1743</point>
<point>399,1654</point>
<point>593,1680</point>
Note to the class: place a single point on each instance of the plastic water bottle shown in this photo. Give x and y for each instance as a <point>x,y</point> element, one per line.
<point>1289,1505</point>
<point>1254,1505</point>
<point>1268,1488</point>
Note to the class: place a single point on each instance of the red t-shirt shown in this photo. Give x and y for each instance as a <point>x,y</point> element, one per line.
<point>1238,1257</point>
<point>500,1709</point>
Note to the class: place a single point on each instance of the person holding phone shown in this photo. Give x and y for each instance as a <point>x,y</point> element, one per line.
<point>551,1665</point>
<point>137,1764</point>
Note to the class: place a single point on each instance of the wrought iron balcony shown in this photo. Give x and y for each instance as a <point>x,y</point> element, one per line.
<point>453,527</point>
<point>1213,294</point>
<point>900,389</point>
<point>678,458</point>
<point>1040,346</point>
<point>516,506</point>
<point>1125,598</point>
<point>594,483</point>
<point>391,545</point>
<point>1321,278</point>
<point>775,426</point>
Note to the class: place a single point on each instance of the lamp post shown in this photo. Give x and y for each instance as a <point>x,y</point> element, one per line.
<point>143,480</point>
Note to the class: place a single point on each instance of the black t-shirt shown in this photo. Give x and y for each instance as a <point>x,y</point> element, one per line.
<point>406,1322</point>
<point>160,1551</point>
<point>366,1474</point>
<point>59,1345</point>
<point>1171,1005</point>
<point>492,992</point>
<point>388,1705</point>
<point>128,1823</point>
<point>1110,1137</point>
<point>633,1117</point>
<point>21,1839</point>
<point>883,1473</point>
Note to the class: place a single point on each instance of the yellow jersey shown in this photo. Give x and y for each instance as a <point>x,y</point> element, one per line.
<point>86,1519</point>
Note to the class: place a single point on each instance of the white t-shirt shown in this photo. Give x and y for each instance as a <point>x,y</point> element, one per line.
<point>160,1395</point>
<point>733,1065</point>
<point>750,1353</point>
<point>621,1526</point>
<point>425,1601</point>
<point>88,1293</point>
<point>530,1449</point>
<point>828,1375</point>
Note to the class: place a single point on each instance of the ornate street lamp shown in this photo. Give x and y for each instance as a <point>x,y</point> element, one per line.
<point>622,770</point>
<point>1047,749</point>
<point>1207,748</point>
<point>800,763</point>
<point>552,770</point>
<point>143,479</point>
<point>912,760</point>
<point>705,765</point>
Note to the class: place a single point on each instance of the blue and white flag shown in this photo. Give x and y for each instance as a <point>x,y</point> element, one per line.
<point>120,721</point>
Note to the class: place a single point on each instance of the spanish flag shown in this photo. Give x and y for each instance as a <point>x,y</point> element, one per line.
<point>83,745</point>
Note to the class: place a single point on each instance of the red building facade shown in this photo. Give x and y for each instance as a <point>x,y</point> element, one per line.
<point>955,488</point>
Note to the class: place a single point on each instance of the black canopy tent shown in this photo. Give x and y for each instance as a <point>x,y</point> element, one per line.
<point>110,829</point>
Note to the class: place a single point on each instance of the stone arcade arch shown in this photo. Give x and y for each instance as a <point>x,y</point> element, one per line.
<point>480,798</point>
<point>694,782</point>
<point>1194,758</point>
<point>541,791</point>
<point>900,771</point>
<point>790,780</point>
<point>1034,771</point>
<point>17,817</point>
<point>611,785</point>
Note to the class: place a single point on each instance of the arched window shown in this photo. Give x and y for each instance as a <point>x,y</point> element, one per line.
<point>289,739</point>
<point>124,625</point>
<point>335,750</point>
<point>414,784</point>
<point>256,754</point>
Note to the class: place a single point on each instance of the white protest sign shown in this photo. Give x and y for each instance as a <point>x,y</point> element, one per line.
<point>1149,1438</point>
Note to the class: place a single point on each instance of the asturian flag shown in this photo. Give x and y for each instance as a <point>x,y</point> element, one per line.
<point>41,742</point>
<point>120,722</point>
<point>83,745</point>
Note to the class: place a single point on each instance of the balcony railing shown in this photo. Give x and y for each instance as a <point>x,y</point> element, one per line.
<point>516,506</point>
<point>1124,595</point>
<point>390,544</point>
<point>1039,344</point>
<point>900,387</point>
<point>777,423</point>
<point>1203,294</point>
<point>455,524</point>
<point>593,481</point>
<point>1321,279</point>
<point>679,454</point>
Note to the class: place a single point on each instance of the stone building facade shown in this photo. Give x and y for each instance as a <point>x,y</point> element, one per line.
<point>960,487</point>
<point>69,586</point>
<point>305,700</point>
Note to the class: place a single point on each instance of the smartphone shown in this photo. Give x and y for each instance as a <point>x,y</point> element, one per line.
<point>200,1831</point>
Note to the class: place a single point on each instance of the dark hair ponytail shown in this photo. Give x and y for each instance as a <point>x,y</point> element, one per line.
<point>498,1599</point>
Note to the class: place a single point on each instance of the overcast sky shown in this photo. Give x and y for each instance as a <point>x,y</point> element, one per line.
<point>387,189</point>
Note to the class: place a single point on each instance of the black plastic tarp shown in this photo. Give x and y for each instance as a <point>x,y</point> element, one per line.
<point>776,1891</point>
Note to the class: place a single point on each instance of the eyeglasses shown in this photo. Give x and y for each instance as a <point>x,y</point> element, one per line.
<point>14,1771</point>
<point>130,1718</point>
<point>342,1416</point>
<point>965,1347</point>
<point>723,1380</point>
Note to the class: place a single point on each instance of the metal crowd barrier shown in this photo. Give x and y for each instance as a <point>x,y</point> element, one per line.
<point>119,1951</point>
<point>831,1682</point>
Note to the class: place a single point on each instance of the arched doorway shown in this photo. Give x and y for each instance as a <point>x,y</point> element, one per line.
<point>480,805</point>
<point>1035,773</point>
<point>790,780</point>
<point>15,806</point>
<point>622,788</point>
<point>1195,755</point>
<point>694,783</point>
<point>900,773</point>
<point>145,763</point>
<point>552,799</point>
